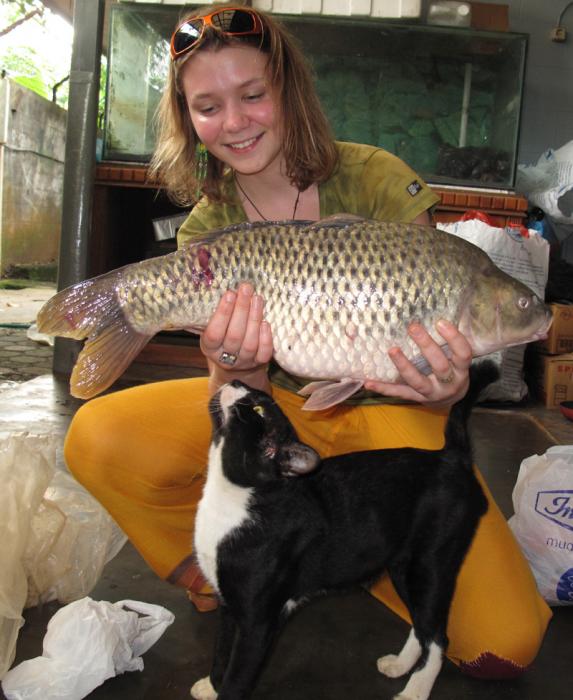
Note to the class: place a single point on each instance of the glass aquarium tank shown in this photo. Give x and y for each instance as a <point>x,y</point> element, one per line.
<point>446,100</point>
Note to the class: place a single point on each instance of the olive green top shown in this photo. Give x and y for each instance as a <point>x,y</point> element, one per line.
<point>368,182</point>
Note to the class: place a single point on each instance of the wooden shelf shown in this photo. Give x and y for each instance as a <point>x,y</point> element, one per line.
<point>120,174</point>
<point>503,209</point>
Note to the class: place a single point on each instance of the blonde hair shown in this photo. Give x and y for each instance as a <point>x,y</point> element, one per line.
<point>308,144</point>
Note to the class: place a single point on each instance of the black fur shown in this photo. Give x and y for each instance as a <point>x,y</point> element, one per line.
<point>411,512</point>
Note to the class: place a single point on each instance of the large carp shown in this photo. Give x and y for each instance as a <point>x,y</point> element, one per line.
<point>338,294</point>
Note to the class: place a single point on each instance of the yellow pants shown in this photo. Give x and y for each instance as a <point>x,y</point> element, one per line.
<point>142,453</point>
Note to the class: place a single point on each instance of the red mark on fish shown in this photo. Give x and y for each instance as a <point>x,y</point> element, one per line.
<point>203,276</point>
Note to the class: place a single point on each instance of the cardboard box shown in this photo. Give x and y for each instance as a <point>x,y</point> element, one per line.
<point>552,378</point>
<point>560,338</point>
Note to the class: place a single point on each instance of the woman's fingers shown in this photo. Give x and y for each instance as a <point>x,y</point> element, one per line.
<point>239,321</point>
<point>448,380</point>
<point>237,335</point>
<point>214,333</point>
<point>460,349</point>
<point>265,348</point>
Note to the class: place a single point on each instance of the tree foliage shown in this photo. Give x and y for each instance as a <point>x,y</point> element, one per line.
<point>31,66</point>
<point>26,63</point>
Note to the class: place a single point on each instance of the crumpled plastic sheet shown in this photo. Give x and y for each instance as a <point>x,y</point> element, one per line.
<point>548,184</point>
<point>26,468</point>
<point>71,539</point>
<point>55,538</point>
<point>86,643</point>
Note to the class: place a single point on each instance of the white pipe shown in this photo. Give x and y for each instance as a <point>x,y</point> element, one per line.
<point>4,124</point>
<point>465,105</point>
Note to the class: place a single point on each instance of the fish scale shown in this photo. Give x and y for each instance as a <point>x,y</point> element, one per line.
<point>338,294</point>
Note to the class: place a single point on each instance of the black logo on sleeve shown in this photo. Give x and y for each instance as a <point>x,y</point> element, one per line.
<point>413,188</point>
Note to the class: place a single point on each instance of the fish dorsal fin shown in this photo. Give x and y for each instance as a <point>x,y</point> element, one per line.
<point>210,236</point>
<point>340,219</point>
<point>325,394</point>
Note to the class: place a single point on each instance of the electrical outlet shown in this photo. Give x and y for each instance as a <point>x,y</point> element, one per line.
<point>558,34</point>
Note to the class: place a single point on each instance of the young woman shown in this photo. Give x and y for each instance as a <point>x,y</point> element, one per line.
<point>240,108</point>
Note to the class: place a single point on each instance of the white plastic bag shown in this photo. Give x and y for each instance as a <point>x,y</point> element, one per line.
<point>543,520</point>
<point>26,467</point>
<point>55,538</point>
<point>549,183</point>
<point>86,643</point>
<point>71,539</point>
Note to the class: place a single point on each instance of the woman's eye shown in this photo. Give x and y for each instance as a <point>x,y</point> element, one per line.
<point>259,409</point>
<point>202,107</point>
<point>255,97</point>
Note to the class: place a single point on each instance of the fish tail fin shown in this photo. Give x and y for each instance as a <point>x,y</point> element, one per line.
<point>91,310</point>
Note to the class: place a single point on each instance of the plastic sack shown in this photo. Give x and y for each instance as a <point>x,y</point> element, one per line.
<point>26,467</point>
<point>543,521</point>
<point>55,538</point>
<point>86,643</point>
<point>71,539</point>
<point>524,257</point>
<point>549,183</point>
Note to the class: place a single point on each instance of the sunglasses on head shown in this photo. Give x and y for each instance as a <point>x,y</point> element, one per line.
<point>232,21</point>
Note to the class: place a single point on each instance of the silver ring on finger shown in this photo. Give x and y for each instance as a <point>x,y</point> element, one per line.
<point>228,358</point>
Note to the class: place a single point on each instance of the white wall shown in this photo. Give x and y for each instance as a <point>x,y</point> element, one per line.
<point>547,117</point>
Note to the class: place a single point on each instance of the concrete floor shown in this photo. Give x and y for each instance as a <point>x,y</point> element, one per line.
<point>329,649</point>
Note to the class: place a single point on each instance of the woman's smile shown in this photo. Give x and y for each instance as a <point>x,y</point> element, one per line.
<point>245,145</point>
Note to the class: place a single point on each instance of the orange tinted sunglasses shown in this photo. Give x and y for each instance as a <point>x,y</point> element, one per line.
<point>233,21</point>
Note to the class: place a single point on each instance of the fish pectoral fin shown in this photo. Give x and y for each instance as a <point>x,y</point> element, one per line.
<point>422,365</point>
<point>311,387</point>
<point>325,394</point>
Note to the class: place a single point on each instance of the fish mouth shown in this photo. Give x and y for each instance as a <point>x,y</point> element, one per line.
<point>244,146</point>
<point>541,333</point>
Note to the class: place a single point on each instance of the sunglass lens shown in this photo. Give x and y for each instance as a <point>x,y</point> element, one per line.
<point>186,36</point>
<point>234,21</point>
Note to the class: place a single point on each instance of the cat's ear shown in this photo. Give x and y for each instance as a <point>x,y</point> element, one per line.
<point>297,459</point>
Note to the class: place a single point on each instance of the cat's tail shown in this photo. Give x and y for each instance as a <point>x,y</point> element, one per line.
<point>482,373</point>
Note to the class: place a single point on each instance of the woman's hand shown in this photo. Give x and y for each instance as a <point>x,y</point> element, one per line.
<point>449,379</point>
<point>237,341</point>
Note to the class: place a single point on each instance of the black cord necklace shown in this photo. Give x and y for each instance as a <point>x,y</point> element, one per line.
<point>264,218</point>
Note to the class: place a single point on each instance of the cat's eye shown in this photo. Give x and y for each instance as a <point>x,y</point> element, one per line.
<point>259,409</point>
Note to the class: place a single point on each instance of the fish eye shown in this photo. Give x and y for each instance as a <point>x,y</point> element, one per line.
<point>523,303</point>
<point>259,409</point>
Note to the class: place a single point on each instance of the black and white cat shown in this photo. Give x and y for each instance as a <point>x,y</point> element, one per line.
<point>273,529</point>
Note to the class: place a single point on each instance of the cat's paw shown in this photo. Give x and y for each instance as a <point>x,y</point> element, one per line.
<point>392,666</point>
<point>203,690</point>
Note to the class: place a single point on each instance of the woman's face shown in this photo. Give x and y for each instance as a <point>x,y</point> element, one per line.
<point>234,109</point>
